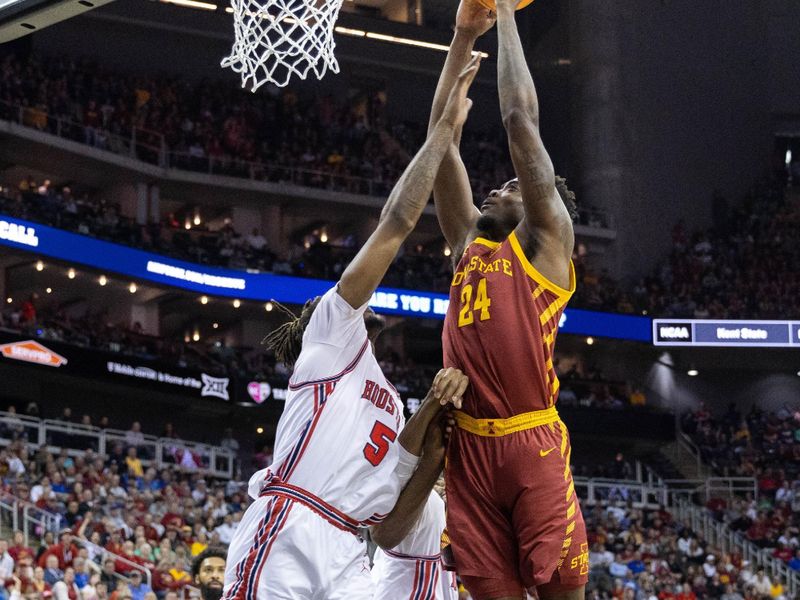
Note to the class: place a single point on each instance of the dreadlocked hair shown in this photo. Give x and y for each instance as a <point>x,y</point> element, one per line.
<point>568,197</point>
<point>287,340</point>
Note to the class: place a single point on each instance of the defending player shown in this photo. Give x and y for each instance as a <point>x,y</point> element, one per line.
<point>337,466</point>
<point>408,562</point>
<point>513,516</point>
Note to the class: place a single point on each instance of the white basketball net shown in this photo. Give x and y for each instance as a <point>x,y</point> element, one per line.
<point>278,38</point>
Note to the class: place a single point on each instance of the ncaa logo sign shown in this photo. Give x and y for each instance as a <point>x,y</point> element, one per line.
<point>674,332</point>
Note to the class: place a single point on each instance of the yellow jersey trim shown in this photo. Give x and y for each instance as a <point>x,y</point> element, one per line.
<point>534,274</point>
<point>484,242</point>
<point>501,427</point>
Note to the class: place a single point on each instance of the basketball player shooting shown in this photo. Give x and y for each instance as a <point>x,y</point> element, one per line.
<point>513,516</point>
<point>342,455</point>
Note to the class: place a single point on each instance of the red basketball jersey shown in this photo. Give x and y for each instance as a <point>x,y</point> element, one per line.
<point>501,328</point>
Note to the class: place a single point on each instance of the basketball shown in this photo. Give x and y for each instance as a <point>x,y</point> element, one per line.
<point>490,4</point>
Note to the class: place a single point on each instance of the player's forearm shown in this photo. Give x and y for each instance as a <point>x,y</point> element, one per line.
<point>410,504</point>
<point>410,195</point>
<point>514,82</point>
<point>412,437</point>
<point>458,56</point>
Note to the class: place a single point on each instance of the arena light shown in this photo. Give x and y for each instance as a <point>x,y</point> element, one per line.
<point>49,290</point>
<point>71,273</point>
<point>393,39</point>
<point>132,288</point>
<point>203,299</point>
<point>692,372</point>
<point>350,32</point>
<point>259,430</point>
<point>197,220</point>
<point>268,306</point>
<point>589,341</point>
<point>237,303</point>
<point>39,265</point>
<point>9,300</point>
<point>323,237</point>
<point>102,280</point>
<point>215,325</point>
<point>192,4</point>
<point>447,250</point>
<point>196,336</point>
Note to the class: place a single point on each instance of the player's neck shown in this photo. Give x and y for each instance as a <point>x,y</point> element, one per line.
<point>492,235</point>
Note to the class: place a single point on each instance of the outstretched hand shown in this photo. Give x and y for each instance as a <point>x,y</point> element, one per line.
<point>449,386</point>
<point>473,18</point>
<point>458,105</point>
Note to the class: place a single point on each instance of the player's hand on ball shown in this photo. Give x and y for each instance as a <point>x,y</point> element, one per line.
<point>458,105</point>
<point>449,386</point>
<point>473,18</point>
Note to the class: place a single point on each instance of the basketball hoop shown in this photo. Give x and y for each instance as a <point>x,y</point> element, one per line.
<point>275,39</point>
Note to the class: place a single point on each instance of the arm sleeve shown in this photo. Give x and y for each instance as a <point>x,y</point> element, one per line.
<point>406,465</point>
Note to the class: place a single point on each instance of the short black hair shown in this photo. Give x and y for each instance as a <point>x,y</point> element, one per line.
<point>210,552</point>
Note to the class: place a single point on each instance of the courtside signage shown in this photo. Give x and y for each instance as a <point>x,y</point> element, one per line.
<point>245,285</point>
<point>20,234</point>
<point>33,352</point>
<point>697,332</point>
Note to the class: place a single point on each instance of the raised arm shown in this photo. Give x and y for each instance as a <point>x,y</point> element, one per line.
<point>407,200</point>
<point>452,193</point>
<point>546,217</point>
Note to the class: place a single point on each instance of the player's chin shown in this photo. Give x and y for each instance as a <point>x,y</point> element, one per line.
<point>374,324</point>
<point>487,221</point>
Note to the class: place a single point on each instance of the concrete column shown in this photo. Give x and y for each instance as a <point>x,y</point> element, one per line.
<point>142,203</point>
<point>154,210</point>
<point>599,108</point>
<point>272,228</point>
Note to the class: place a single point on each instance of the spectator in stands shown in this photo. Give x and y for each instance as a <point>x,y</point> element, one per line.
<point>108,576</point>
<point>762,583</point>
<point>134,436</point>
<point>208,572</point>
<point>6,561</point>
<point>64,551</point>
<point>138,587</point>
<point>52,572</point>
<point>229,442</point>
<point>134,464</point>
<point>256,241</point>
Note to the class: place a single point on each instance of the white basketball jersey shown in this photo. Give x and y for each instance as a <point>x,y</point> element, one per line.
<point>337,436</point>
<point>413,569</point>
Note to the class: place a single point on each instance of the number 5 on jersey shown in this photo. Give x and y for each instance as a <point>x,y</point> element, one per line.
<point>466,315</point>
<point>381,436</point>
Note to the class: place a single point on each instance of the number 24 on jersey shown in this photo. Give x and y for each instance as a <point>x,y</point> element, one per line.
<point>466,316</point>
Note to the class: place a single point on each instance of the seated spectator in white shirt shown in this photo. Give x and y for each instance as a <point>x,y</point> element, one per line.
<point>256,241</point>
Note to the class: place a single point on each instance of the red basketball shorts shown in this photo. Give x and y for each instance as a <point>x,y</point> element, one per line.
<point>512,513</point>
